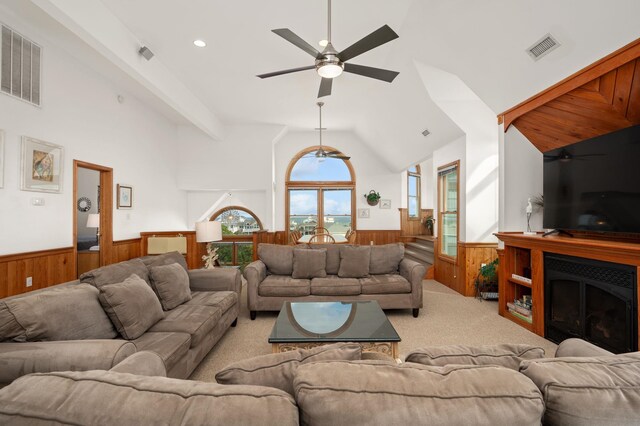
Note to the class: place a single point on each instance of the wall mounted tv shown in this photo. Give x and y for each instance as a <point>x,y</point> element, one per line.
<point>594,185</point>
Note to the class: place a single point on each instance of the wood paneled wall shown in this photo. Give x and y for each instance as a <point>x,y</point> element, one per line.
<point>460,276</point>
<point>410,227</point>
<point>126,249</point>
<point>377,237</point>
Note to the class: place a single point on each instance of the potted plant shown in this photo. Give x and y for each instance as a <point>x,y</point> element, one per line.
<point>373,198</point>
<point>487,281</point>
<point>429,222</point>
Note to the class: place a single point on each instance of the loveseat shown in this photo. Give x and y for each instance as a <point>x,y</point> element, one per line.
<point>333,272</point>
<point>454,385</point>
<point>147,304</point>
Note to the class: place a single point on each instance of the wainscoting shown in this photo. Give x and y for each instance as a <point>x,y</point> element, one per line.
<point>460,276</point>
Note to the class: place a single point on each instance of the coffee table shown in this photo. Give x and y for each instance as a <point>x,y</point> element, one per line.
<point>310,324</point>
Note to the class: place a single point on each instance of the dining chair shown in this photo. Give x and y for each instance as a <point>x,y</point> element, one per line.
<point>352,237</point>
<point>321,230</point>
<point>322,239</point>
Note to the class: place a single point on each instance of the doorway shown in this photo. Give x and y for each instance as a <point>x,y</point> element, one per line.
<point>92,215</point>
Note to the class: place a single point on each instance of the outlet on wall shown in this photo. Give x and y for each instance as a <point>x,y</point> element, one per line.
<point>29,281</point>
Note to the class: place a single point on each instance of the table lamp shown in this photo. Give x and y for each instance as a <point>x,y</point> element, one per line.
<point>207,232</point>
<point>93,221</point>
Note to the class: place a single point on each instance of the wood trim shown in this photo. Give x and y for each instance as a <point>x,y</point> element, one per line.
<point>301,153</point>
<point>610,62</point>
<point>411,227</point>
<point>417,174</point>
<point>32,254</point>
<point>438,253</point>
<point>244,209</point>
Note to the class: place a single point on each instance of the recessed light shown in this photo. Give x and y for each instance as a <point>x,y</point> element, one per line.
<point>323,43</point>
<point>200,43</point>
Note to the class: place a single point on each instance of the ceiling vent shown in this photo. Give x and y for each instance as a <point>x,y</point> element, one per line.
<point>20,67</point>
<point>426,132</point>
<point>543,46</point>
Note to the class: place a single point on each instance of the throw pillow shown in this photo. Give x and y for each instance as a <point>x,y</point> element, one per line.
<point>278,370</point>
<point>131,305</point>
<point>309,263</point>
<point>171,284</point>
<point>116,273</point>
<point>333,257</point>
<point>385,259</point>
<point>506,355</point>
<point>354,261</point>
<point>165,259</point>
<point>277,258</point>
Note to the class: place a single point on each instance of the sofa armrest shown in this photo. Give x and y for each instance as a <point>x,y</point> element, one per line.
<point>143,363</point>
<point>18,359</point>
<point>218,279</point>
<point>580,348</point>
<point>255,273</point>
<point>413,272</point>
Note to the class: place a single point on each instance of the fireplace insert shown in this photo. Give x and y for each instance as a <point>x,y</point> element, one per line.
<point>590,299</point>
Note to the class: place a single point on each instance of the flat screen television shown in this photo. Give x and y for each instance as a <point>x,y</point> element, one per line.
<point>594,185</point>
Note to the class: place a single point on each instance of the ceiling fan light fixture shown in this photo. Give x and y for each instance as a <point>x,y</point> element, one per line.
<point>330,70</point>
<point>323,43</point>
<point>199,43</point>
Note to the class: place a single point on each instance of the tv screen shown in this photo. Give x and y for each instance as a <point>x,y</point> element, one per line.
<point>594,185</point>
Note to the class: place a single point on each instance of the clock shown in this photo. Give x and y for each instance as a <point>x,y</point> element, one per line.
<point>84,204</point>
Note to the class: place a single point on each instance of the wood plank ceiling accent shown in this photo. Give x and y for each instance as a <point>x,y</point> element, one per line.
<point>601,98</point>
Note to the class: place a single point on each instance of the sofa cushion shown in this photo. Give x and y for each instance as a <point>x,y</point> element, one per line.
<point>335,286</point>
<point>385,259</point>
<point>171,284</point>
<point>355,392</point>
<point>197,321</point>
<point>220,299</point>
<point>505,355</point>
<point>354,261</point>
<point>333,257</point>
<point>277,258</point>
<point>116,273</point>
<point>131,305</point>
<point>111,398</point>
<point>592,390</point>
<point>172,347</point>
<point>309,263</point>
<point>385,284</point>
<point>278,370</point>
<point>165,259</point>
<point>283,286</point>
<point>61,313</point>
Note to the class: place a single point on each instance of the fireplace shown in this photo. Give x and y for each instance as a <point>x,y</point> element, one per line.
<point>590,299</point>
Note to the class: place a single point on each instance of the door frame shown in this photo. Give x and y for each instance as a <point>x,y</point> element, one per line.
<point>105,240</point>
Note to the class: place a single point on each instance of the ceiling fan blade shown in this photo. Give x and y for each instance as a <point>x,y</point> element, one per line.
<point>289,71</point>
<point>291,37</point>
<point>377,73</point>
<point>325,87</point>
<point>337,154</point>
<point>377,38</point>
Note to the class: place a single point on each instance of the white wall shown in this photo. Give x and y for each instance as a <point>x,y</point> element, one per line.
<point>200,201</point>
<point>80,111</point>
<point>88,181</point>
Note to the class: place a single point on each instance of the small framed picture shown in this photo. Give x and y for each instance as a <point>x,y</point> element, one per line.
<point>363,213</point>
<point>41,166</point>
<point>125,196</point>
<point>385,204</point>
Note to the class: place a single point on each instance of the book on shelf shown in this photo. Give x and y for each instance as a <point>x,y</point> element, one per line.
<point>521,278</point>
<point>526,318</point>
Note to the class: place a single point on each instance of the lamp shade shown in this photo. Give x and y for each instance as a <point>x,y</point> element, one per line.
<point>93,221</point>
<point>208,231</point>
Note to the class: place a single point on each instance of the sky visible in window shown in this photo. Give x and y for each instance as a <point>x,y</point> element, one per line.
<point>313,169</point>
<point>305,202</point>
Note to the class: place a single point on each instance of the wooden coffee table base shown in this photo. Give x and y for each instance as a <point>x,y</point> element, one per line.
<point>387,348</point>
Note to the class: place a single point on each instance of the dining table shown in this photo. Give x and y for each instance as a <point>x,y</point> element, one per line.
<point>321,239</point>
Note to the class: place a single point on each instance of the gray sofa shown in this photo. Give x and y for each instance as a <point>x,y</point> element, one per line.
<point>68,326</point>
<point>333,272</point>
<point>501,385</point>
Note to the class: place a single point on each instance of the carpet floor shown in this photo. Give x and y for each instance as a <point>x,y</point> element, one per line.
<point>447,318</point>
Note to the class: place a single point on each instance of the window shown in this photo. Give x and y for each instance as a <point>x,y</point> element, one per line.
<point>413,192</point>
<point>320,193</point>
<point>448,209</point>
<point>238,225</point>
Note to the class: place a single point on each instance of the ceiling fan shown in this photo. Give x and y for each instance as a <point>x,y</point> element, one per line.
<point>321,153</point>
<point>330,63</point>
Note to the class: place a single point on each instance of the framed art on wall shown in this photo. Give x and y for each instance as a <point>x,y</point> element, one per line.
<point>41,166</point>
<point>363,213</point>
<point>385,204</point>
<point>125,196</point>
<point>1,158</point>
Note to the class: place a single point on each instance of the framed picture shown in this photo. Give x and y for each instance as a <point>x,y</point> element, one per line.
<point>125,196</point>
<point>41,166</point>
<point>385,204</point>
<point>363,213</point>
<point>1,158</point>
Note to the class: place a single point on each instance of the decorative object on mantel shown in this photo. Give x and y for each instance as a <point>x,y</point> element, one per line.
<point>529,211</point>
<point>84,204</point>
<point>207,232</point>
<point>487,281</point>
<point>1,158</point>
<point>373,198</point>
<point>125,196</point>
<point>538,202</point>
<point>41,166</point>
<point>93,221</point>
<point>385,204</point>
<point>429,221</point>
<point>363,213</point>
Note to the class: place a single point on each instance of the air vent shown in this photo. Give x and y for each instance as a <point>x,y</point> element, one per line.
<point>543,46</point>
<point>426,132</point>
<point>20,67</point>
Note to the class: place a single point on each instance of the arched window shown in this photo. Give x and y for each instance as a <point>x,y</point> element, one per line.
<point>413,192</point>
<point>320,193</point>
<point>236,247</point>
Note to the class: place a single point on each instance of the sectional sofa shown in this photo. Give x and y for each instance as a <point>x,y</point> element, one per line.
<point>147,304</point>
<point>333,272</point>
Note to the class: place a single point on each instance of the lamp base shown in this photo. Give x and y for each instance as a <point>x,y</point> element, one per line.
<point>211,256</point>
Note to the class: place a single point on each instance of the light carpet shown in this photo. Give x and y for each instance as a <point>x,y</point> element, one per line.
<point>447,318</point>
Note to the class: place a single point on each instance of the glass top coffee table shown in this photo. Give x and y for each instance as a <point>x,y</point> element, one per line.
<point>309,324</point>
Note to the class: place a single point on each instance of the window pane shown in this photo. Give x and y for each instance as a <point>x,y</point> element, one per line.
<point>337,210</point>
<point>315,169</point>
<point>237,222</point>
<point>449,234</point>
<point>245,254</point>
<point>413,186</point>
<point>451,192</point>
<point>225,253</point>
<point>413,206</point>
<point>412,169</point>
<point>303,210</point>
